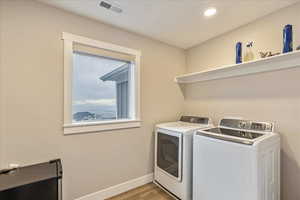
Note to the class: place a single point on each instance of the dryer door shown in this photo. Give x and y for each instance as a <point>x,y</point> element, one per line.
<point>169,153</point>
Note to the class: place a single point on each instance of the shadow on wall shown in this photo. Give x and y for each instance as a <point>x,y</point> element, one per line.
<point>290,172</point>
<point>151,154</point>
<point>280,84</point>
<point>272,97</point>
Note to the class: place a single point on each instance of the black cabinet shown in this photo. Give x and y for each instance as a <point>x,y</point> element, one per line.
<point>36,182</point>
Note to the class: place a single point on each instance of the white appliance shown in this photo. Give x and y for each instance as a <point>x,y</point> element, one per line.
<point>173,155</point>
<point>238,160</point>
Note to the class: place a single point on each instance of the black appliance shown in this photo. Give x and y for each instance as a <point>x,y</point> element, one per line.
<point>36,182</point>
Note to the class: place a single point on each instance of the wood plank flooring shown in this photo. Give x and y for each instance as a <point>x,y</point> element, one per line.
<point>146,192</point>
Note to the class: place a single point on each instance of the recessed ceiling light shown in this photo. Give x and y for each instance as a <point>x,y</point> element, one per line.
<point>210,12</point>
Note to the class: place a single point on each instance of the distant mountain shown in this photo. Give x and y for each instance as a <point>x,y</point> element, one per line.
<point>84,116</point>
<point>88,116</point>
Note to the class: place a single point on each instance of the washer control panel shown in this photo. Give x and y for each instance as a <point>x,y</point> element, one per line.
<point>193,119</point>
<point>247,125</point>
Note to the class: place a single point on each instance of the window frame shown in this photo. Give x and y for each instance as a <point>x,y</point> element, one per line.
<point>87,127</point>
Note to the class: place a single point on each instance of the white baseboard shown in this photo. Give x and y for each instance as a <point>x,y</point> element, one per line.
<point>118,189</point>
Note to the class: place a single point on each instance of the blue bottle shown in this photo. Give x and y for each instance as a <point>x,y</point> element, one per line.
<point>238,49</point>
<point>287,38</point>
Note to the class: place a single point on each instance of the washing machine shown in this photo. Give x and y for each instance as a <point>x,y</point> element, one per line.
<point>173,155</point>
<point>238,160</point>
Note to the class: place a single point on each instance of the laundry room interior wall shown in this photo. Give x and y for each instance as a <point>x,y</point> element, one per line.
<point>1,83</point>
<point>272,96</point>
<point>31,96</point>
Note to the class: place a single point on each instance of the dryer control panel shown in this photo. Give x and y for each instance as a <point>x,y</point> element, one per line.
<point>193,119</point>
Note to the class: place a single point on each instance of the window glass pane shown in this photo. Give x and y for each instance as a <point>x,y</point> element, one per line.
<point>100,88</point>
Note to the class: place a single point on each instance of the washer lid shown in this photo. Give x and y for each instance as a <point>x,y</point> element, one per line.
<point>232,135</point>
<point>182,126</point>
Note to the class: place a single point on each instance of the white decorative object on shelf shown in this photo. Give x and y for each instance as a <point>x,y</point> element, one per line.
<point>279,62</point>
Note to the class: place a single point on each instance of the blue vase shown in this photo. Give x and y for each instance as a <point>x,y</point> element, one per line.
<point>287,38</point>
<point>238,49</point>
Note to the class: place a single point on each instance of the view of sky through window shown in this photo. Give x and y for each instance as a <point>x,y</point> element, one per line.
<point>92,98</point>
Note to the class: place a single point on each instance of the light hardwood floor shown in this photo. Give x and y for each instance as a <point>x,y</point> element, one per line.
<point>146,192</point>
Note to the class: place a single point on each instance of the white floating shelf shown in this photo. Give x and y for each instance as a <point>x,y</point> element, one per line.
<point>279,62</point>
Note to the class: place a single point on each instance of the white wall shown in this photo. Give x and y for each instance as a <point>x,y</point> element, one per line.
<point>270,96</point>
<point>32,98</point>
<point>31,95</point>
<point>1,89</point>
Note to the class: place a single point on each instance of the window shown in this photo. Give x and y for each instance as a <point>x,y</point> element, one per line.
<point>101,86</point>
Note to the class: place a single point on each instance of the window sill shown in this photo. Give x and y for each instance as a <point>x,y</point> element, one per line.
<point>91,127</point>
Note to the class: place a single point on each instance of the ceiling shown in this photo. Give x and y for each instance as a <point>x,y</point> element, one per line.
<point>177,22</point>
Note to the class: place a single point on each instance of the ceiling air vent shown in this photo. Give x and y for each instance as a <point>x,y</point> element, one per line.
<point>111,7</point>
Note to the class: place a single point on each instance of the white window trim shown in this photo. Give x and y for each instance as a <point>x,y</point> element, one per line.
<point>88,127</point>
